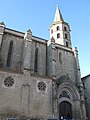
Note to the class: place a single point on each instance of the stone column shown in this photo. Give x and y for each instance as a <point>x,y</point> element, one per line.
<point>82,105</point>
<point>53,75</point>
<point>76,110</point>
<point>54,100</point>
<point>78,74</point>
<point>53,58</point>
<point>80,86</point>
<point>27,50</point>
<point>2,27</point>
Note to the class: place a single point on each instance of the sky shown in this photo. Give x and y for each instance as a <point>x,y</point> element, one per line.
<point>38,15</point>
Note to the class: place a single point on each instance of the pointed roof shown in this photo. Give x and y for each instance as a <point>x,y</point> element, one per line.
<point>2,24</point>
<point>58,16</point>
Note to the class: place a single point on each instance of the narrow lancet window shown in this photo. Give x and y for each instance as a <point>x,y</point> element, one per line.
<point>58,28</point>
<point>65,29</point>
<point>36,60</point>
<point>51,31</point>
<point>58,35</point>
<point>66,36</point>
<point>67,44</point>
<point>8,63</point>
<point>60,57</point>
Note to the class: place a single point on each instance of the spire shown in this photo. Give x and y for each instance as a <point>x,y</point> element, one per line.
<point>58,15</point>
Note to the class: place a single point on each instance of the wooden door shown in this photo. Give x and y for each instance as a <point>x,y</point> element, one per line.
<point>65,110</point>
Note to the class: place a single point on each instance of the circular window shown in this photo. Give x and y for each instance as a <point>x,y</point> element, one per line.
<point>8,81</point>
<point>64,94</point>
<point>41,86</point>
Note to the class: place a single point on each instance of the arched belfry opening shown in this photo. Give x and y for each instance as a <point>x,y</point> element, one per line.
<point>65,110</point>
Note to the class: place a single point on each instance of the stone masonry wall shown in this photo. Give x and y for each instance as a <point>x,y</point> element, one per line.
<point>65,63</point>
<point>24,97</point>
<point>41,57</point>
<point>16,61</point>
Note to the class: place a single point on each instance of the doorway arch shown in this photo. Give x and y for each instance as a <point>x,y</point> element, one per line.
<point>65,110</point>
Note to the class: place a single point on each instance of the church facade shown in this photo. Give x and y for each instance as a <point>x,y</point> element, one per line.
<point>40,79</point>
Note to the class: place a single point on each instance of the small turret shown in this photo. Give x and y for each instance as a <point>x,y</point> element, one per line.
<point>2,24</point>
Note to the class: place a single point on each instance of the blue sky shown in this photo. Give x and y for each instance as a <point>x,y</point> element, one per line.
<point>38,15</point>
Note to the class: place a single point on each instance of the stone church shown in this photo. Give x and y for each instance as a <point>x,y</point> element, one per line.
<point>40,79</point>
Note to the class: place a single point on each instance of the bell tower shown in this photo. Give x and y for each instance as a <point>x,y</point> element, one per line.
<point>60,30</point>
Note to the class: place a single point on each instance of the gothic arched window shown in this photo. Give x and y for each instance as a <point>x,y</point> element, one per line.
<point>58,35</point>
<point>60,57</point>
<point>58,28</point>
<point>64,94</point>
<point>36,60</point>
<point>8,63</point>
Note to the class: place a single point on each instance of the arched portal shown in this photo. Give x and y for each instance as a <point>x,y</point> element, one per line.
<point>65,110</point>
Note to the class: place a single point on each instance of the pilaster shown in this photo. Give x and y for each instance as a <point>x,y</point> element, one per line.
<point>80,86</point>
<point>53,61</point>
<point>27,50</point>
<point>25,99</point>
<point>2,27</point>
<point>78,77</point>
<point>51,58</point>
